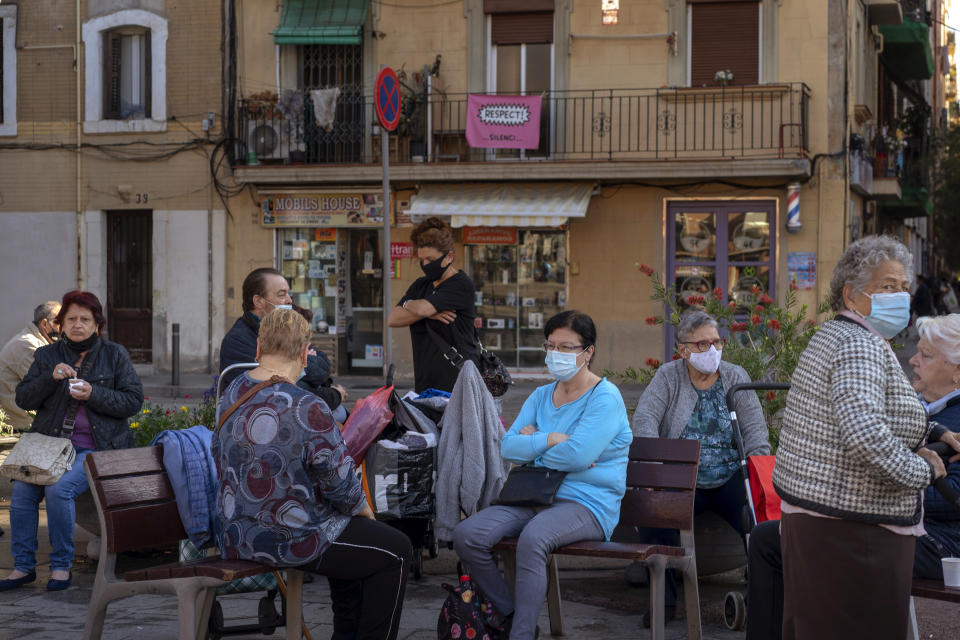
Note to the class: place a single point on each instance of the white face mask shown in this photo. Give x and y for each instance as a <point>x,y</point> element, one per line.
<point>562,366</point>
<point>706,362</point>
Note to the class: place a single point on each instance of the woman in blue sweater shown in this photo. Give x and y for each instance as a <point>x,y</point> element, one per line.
<point>579,425</point>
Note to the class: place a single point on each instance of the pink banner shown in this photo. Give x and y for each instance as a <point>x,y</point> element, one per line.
<point>503,122</point>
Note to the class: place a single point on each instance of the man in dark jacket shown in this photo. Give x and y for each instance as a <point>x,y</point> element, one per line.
<point>264,290</point>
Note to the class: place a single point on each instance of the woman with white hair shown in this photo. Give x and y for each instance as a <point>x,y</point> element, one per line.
<point>936,378</point>
<point>850,466</point>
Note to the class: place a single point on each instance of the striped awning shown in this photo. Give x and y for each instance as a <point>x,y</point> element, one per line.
<point>504,204</point>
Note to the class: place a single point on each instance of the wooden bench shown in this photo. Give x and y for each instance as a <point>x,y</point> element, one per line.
<point>661,480</point>
<point>933,590</point>
<point>137,510</point>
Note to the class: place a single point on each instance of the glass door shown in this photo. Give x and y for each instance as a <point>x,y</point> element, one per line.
<point>728,246</point>
<point>364,299</point>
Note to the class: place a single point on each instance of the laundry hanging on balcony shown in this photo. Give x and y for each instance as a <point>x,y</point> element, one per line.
<point>321,22</point>
<point>503,122</point>
<point>325,106</point>
<point>510,204</point>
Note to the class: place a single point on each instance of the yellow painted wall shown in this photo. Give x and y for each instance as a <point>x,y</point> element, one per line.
<point>619,63</point>
<point>803,57</point>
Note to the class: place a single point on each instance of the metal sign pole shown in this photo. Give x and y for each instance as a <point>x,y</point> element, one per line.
<point>387,260</point>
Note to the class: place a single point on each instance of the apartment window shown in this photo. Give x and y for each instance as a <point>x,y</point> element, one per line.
<point>126,74</point>
<point>521,53</point>
<point>126,64</point>
<point>8,70</point>
<point>322,66</point>
<point>724,36</point>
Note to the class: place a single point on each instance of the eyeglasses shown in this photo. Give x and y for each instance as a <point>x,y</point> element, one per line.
<point>562,348</point>
<point>703,345</point>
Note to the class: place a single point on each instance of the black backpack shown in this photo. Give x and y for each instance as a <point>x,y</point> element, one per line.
<point>466,614</point>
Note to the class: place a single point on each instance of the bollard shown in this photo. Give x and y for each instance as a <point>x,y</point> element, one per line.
<point>175,356</point>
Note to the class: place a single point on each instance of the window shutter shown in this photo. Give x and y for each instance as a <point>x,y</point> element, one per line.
<point>724,35</point>
<point>522,28</point>
<point>111,75</point>
<point>147,74</point>
<point>512,6</point>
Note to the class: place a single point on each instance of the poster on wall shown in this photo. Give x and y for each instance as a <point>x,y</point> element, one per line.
<point>802,269</point>
<point>322,210</point>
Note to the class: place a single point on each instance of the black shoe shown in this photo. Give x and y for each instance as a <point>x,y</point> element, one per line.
<point>669,614</point>
<point>504,633</point>
<point>59,585</point>
<point>13,583</point>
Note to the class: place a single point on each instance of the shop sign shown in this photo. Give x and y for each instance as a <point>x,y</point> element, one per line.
<point>325,235</point>
<point>503,122</point>
<point>489,235</point>
<point>401,250</point>
<point>322,210</point>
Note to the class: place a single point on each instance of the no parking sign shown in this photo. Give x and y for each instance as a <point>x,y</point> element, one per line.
<point>387,91</point>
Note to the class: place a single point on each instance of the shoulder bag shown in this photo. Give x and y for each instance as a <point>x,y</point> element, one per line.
<point>42,459</point>
<point>495,375</point>
<point>252,391</point>
<point>531,486</point>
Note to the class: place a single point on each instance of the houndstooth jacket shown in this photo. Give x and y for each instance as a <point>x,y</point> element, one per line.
<point>850,427</point>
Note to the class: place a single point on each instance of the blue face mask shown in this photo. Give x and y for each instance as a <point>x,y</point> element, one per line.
<point>562,366</point>
<point>889,313</point>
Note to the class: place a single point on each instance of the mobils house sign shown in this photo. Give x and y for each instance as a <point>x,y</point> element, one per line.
<point>503,122</point>
<point>322,210</point>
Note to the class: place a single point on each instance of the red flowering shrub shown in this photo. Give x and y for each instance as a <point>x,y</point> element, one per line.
<point>718,294</point>
<point>652,320</point>
<point>774,324</point>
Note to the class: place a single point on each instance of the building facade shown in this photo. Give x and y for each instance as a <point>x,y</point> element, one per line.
<point>111,111</point>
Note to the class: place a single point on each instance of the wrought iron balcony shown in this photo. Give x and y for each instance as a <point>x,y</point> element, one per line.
<point>696,123</point>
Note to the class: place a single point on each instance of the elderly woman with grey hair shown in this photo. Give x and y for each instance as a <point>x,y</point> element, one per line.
<point>850,466</point>
<point>687,399</point>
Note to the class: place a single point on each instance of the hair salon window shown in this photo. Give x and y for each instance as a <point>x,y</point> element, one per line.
<point>727,245</point>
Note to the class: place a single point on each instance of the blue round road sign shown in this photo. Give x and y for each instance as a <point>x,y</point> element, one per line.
<point>387,91</point>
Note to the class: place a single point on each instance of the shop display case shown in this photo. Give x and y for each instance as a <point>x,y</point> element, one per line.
<point>308,260</point>
<point>519,287</point>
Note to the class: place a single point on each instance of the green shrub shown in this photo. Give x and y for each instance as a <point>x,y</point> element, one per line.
<point>763,337</point>
<point>155,418</point>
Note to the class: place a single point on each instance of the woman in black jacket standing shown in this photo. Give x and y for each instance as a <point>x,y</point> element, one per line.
<point>84,382</point>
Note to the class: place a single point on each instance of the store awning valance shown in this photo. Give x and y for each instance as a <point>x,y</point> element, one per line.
<point>504,204</point>
<point>915,202</point>
<point>321,22</point>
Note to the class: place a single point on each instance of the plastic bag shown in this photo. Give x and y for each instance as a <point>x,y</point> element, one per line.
<point>766,502</point>
<point>398,476</point>
<point>370,415</point>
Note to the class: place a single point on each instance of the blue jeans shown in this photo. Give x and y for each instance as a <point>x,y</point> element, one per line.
<point>61,516</point>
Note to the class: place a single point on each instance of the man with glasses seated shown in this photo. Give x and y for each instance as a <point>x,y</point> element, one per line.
<point>687,399</point>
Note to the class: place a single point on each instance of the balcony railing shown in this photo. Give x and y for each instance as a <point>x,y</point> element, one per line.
<point>703,123</point>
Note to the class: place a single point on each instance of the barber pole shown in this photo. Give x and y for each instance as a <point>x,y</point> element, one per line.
<point>793,207</point>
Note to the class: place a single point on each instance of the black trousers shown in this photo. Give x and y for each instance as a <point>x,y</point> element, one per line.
<point>728,501</point>
<point>367,568</point>
<point>765,582</point>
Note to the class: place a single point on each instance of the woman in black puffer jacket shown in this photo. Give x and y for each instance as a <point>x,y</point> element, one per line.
<point>87,381</point>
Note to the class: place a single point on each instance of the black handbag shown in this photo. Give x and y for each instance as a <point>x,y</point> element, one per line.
<point>494,373</point>
<point>529,486</point>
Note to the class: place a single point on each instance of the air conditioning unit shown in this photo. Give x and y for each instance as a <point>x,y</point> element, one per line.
<point>271,139</point>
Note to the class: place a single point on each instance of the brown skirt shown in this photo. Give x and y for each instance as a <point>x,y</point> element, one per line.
<point>844,580</point>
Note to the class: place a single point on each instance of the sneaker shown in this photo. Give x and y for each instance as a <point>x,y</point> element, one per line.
<point>669,614</point>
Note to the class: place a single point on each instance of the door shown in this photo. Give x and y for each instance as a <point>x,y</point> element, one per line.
<point>727,245</point>
<point>364,308</point>
<point>130,282</point>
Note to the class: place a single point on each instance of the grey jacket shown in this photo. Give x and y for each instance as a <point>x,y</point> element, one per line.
<point>668,402</point>
<point>470,469</point>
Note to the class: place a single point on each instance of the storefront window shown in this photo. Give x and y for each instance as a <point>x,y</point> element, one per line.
<point>726,246</point>
<point>364,299</point>
<point>521,283</point>
<point>309,263</point>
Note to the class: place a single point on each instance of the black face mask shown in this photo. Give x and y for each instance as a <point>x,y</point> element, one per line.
<point>53,335</point>
<point>83,345</point>
<point>434,270</point>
